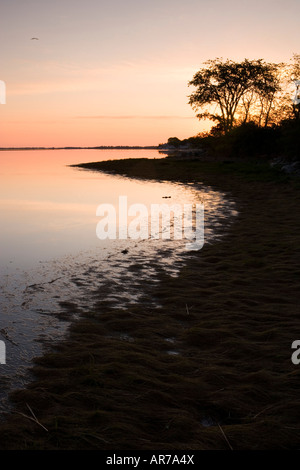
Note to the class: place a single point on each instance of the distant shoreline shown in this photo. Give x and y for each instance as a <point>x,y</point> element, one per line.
<point>103,147</point>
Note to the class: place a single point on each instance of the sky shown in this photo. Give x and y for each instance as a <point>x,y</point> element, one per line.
<point>116,72</point>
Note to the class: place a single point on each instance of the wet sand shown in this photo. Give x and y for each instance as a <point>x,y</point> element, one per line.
<point>210,368</point>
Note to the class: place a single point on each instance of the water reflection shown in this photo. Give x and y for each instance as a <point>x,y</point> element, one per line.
<point>53,266</point>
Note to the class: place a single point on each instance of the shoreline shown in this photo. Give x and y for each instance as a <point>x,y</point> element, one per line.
<point>103,147</point>
<point>229,318</point>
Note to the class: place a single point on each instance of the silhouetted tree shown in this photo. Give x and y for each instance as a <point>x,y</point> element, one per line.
<point>174,141</point>
<point>232,87</point>
<point>271,101</point>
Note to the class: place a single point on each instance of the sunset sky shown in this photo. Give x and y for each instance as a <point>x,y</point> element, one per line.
<point>115,72</point>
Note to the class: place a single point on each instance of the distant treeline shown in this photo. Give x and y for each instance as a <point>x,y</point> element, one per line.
<point>246,140</point>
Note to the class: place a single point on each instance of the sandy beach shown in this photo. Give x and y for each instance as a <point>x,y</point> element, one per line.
<point>211,368</point>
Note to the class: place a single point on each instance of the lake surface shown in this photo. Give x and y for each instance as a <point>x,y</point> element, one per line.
<point>52,264</point>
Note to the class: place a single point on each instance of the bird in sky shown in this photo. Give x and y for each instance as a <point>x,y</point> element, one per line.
<point>35,39</point>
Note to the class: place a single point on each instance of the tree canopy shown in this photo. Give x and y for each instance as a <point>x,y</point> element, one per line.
<point>227,90</point>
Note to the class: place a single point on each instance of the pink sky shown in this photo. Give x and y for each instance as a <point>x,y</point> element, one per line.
<point>109,72</point>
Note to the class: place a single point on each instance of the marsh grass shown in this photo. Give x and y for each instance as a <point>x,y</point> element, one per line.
<point>209,369</point>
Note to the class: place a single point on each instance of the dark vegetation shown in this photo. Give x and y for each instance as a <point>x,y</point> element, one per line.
<point>246,140</point>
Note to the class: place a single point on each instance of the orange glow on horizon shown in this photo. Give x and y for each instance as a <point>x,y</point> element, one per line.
<point>117,73</point>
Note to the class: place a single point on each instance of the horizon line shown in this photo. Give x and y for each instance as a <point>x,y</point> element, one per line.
<point>133,117</point>
<point>99,147</point>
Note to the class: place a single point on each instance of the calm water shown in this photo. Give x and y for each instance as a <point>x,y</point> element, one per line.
<point>53,266</point>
